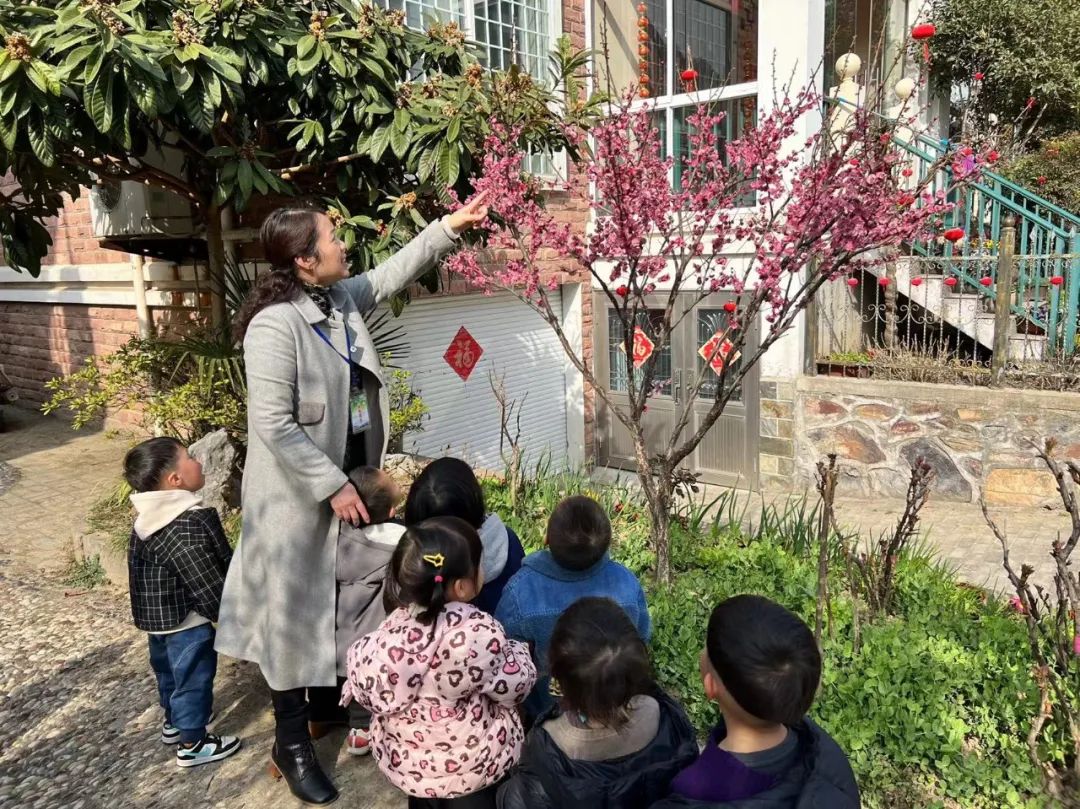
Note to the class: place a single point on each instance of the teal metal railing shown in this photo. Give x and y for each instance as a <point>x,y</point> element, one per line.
<point>1047,243</point>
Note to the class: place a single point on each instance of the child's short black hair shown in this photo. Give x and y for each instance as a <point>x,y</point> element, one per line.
<point>578,533</point>
<point>147,463</point>
<point>599,660</point>
<point>446,488</point>
<point>443,547</point>
<point>766,658</point>
<point>378,491</point>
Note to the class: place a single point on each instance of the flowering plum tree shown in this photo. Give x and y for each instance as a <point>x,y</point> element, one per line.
<point>830,205</point>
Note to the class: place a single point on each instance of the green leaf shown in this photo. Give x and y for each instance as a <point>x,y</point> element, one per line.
<point>427,164</point>
<point>76,58</point>
<point>98,100</point>
<point>417,219</point>
<point>309,63</point>
<point>8,133</point>
<point>448,164</point>
<point>195,105</point>
<point>41,140</point>
<point>143,91</point>
<point>399,142</point>
<point>93,64</point>
<point>305,46</point>
<point>212,85</point>
<point>183,78</point>
<point>272,182</point>
<point>244,178</point>
<point>453,132</point>
<point>380,139</point>
<point>221,151</point>
<point>401,119</point>
<point>7,70</point>
<point>224,69</point>
<point>337,63</point>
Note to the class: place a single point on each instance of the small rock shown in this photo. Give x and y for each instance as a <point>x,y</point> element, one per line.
<point>218,458</point>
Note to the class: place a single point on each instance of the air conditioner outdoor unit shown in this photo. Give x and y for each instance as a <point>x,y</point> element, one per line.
<point>131,210</point>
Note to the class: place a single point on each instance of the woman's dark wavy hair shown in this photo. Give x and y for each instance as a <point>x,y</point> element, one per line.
<point>286,235</point>
<point>410,577</point>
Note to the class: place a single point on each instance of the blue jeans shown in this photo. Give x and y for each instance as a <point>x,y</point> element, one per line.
<point>184,664</point>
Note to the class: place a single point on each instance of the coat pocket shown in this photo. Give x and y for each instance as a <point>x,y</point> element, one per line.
<point>310,412</point>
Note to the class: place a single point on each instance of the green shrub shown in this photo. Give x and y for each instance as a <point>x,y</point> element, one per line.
<point>934,709</point>
<point>1053,172</point>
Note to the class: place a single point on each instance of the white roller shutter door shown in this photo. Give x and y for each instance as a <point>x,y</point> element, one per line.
<point>464,416</point>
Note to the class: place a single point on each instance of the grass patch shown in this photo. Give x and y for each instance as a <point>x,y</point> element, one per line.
<point>85,574</point>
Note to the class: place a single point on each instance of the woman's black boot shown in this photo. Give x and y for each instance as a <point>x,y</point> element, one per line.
<point>303,773</point>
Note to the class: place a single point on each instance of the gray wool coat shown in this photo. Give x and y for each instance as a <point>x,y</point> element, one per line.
<point>278,606</point>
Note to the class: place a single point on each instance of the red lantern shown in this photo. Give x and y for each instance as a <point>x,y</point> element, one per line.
<point>987,281</point>
<point>1057,280</point>
<point>643,22</point>
<point>642,8</point>
<point>916,282</point>
<point>979,77</point>
<point>643,50</point>
<point>689,74</point>
<point>621,292</point>
<point>954,234</point>
<point>923,30</point>
<point>950,282</point>
<point>729,307</point>
<point>883,282</point>
<point>643,92</point>
<point>907,172</point>
<point>642,36</point>
<point>992,156</point>
<point>853,282</point>
<point>1030,103</point>
<point>1041,180</point>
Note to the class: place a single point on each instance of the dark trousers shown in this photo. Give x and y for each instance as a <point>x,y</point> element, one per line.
<point>293,709</point>
<point>184,664</point>
<point>484,799</point>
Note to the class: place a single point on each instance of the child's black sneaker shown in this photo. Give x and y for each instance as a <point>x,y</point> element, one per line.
<point>211,748</point>
<point>170,734</point>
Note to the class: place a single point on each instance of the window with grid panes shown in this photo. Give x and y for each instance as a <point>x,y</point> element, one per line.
<point>508,32</point>
<point>718,38</point>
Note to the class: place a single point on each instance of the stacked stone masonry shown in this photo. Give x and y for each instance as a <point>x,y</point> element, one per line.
<point>980,442</point>
<point>776,442</point>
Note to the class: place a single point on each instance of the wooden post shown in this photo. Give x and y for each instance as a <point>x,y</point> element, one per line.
<point>1006,267</point>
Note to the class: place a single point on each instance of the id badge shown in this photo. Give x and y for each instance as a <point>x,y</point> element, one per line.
<point>359,415</point>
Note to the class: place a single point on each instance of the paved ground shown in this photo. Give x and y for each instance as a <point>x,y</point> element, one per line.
<point>78,715</point>
<point>79,722</point>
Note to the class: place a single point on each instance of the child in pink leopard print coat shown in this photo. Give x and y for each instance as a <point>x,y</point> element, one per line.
<point>440,677</point>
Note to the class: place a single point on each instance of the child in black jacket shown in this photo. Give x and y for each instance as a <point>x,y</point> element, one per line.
<point>177,559</point>
<point>615,740</point>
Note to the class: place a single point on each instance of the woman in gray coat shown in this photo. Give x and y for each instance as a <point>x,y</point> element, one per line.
<point>317,407</point>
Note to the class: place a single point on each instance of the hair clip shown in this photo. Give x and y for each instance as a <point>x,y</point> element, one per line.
<point>438,579</point>
<point>554,689</point>
<point>436,559</point>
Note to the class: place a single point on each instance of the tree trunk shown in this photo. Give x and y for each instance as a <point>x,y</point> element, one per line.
<point>215,251</point>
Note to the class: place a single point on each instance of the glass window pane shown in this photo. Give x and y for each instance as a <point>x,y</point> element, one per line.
<point>514,33</point>
<point>661,371</point>
<point>709,322</point>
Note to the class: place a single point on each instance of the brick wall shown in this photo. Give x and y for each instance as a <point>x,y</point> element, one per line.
<point>40,341</point>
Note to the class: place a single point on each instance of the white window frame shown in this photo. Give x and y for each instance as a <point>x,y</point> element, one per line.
<point>558,161</point>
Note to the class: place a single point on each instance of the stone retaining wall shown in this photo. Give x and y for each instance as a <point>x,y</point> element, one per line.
<point>979,441</point>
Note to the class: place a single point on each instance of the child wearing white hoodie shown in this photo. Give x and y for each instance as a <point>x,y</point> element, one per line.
<point>177,559</point>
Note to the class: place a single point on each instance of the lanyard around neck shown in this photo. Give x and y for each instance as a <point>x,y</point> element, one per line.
<point>348,344</point>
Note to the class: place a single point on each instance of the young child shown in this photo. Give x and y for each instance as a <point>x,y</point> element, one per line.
<point>449,488</point>
<point>615,740</point>
<point>762,667</point>
<point>363,555</point>
<point>574,565</point>
<point>177,559</point>
<point>439,676</point>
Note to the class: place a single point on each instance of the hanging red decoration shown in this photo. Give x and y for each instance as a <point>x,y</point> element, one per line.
<point>907,172</point>
<point>1041,180</point>
<point>643,92</point>
<point>643,51</point>
<point>621,291</point>
<point>922,33</point>
<point>992,156</point>
<point>642,8</point>
<point>986,281</point>
<point>717,351</point>
<point>689,74</point>
<point>642,36</point>
<point>853,282</point>
<point>1030,103</point>
<point>729,307</point>
<point>954,234</point>
<point>643,22</point>
<point>463,354</point>
<point>916,282</point>
<point>950,282</point>
<point>1057,280</point>
<point>979,77</point>
<point>883,282</point>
